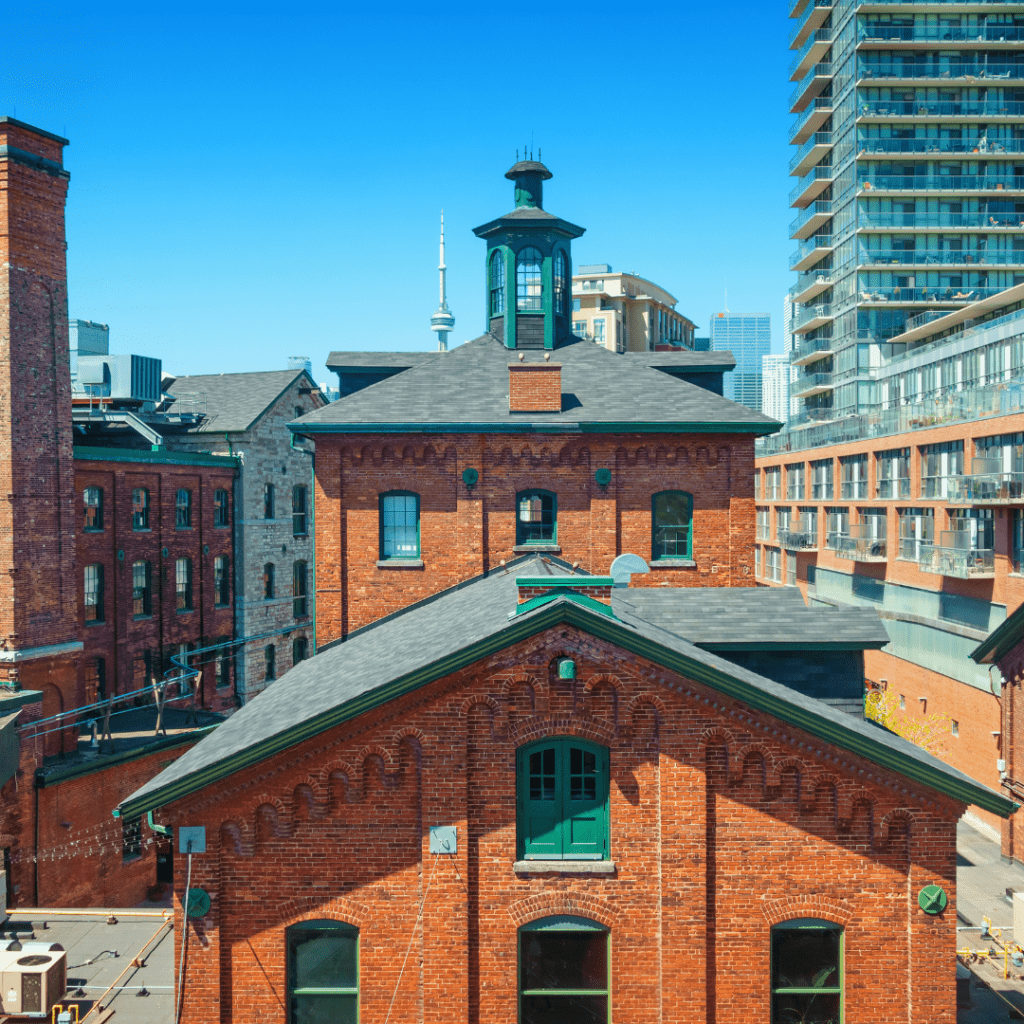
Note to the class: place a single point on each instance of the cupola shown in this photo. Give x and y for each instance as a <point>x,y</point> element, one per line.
<point>529,266</point>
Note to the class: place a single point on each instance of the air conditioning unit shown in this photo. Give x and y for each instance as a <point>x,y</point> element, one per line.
<point>32,981</point>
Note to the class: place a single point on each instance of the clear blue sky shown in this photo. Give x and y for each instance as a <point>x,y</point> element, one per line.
<point>248,184</point>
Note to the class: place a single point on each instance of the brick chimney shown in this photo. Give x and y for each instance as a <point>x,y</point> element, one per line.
<point>534,387</point>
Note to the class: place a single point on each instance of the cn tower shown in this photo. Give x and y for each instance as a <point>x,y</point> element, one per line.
<point>442,321</point>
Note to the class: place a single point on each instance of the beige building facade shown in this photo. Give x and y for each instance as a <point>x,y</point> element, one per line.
<point>626,313</point>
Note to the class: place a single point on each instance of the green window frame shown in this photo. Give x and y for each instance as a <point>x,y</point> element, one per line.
<point>399,525</point>
<point>323,972</point>
<point>562,800</point>
<point>497,289</point>
<point>564,971</point>
<point>671,525</point>
<point>807,972</point>
<point>536,517</point>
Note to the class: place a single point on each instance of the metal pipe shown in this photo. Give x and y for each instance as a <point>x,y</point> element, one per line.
<point>98,1005</point>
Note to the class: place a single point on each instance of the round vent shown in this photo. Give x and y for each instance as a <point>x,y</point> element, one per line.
<point>197,904</point>
<point>470,476</point>
<point>36,960</point>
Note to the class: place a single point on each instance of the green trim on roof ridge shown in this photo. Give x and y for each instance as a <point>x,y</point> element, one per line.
<point>90,454</point>
<point>568,582</point>
<point>522,627</point>
<point>556,426</point>
<point>570,595</point>
<point>1007,635</point>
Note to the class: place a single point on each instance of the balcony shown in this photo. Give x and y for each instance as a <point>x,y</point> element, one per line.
<point>808,318</point>
<point>866,542</point>
<point>808,220</point>
<point>895,72</point>
<point>799,539</point>
<point>811,250</point>
<point>810,153</point>
<point>812,18</point>
<point>811,185</point>
<point>811,350</point>
<point>796,8</point>
<point>953,183</point>
<point>943,35</point>
<point>814,282</point>
<point>939,220</point>
<point>985,110</point>
<point>932,294</point>
<point>985,486</point>
<point>810,384</point>
<point>816,46</point>
<point>963,563</point>
<point>811,85</point>
<point>817,113</point>
<point>887,258</point>
<point>929,147</point>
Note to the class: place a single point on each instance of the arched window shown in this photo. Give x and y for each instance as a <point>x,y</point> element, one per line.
<point>536,517</point>
<point>268,501</point>
<point>561,292</point>
<point>563,971</point>
<point>299,607</point>
<point>323,971</point>
<point>300,649</point>
<point>399,525</point>
<point>93,500</point>
<point>807,971</point>
<point>497,283</point>
<point>671,525</point>
<point>562,800</point>
<point>268,581</point>
<point>529,282</point>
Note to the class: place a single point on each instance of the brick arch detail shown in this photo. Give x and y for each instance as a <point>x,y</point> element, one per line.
<point>738,760</point>
<point>825,907</point>
<point>775,775</point>
<point>897,815</point>
<point>539,727</point>
<point>336,908</point>
<point>716,735</point>
<point>237,836</point>
<point>613,681</point>
<point>570,902</point>
<point>535,682</point>
<point>477,700</point>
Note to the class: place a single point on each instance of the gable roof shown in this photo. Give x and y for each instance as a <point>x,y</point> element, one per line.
<point>686,361</point>
<point>466,389</point>
<point>451,630</point>
<point>1007,635</point>
<point>378,360</point>
<point>235,401</point>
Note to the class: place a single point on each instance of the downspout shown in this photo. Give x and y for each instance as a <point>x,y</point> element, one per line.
<point>160,830</point>
<point>309,513</point>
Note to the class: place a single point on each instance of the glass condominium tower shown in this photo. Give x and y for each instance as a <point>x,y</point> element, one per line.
<point>748,337</point>
<point>909,168</point>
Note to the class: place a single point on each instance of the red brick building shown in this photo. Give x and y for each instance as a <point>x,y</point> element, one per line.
<point>636,829</point>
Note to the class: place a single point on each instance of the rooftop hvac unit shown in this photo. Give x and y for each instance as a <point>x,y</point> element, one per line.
<point>32,982</point>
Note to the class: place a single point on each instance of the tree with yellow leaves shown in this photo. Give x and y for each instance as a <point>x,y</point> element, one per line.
<point>882,706</point>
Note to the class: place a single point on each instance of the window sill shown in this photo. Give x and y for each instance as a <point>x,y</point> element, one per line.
<point>184,611</point>
<point>142,529</point>
<point>183,527</point>
<point>140,618</point>
<point>526,549</point>
<point>400,563</point>
<point>674,563</point>
<point>92,529</point>
<point>95,622</point>
<point>564,867</point>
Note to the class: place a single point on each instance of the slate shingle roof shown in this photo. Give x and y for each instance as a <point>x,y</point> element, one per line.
<point>234,401</point>
<point>467,388</point>
<point>691,362</point>
<point>426,641</point>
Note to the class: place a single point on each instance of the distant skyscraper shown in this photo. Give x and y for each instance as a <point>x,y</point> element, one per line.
<point>775,386</point>
<point>300,363</point>
<point>748,337</point>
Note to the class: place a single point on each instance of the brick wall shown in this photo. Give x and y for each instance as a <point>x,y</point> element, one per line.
<point>534,387</point>
<point>464,532</point>
<point>723,822</point>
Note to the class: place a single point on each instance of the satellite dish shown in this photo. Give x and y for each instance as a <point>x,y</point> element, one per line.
<point>624,566</point>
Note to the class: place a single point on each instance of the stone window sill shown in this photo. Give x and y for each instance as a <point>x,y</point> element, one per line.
<point>674,563</point>
<point>95,622</point>
<point>400,563</point>
<point>564,867</point>
<point>547,549</point>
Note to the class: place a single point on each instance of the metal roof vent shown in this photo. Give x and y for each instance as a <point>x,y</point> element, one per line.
<point>624,566</point>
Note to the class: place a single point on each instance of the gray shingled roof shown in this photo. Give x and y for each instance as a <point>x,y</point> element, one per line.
<point>467,388</point>
<point>234,401</point>
<point>684,359</point>
<point>426,641</point>
<point>373,360</point>
<point>734,617</point>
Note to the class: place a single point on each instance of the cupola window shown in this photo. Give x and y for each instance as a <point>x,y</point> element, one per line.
<point>529,282</point>
<point>497,283</point>
<point>561,296</point>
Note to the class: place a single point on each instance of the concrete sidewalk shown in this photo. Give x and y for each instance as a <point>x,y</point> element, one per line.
<point>982,879</point>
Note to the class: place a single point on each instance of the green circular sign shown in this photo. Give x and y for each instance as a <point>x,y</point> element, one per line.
<point>197,903</point>
<point>932,899</point>
<point>603,477</point>
<point>470,476</point>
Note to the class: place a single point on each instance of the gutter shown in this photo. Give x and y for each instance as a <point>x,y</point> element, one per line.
<point>759,429</point>
<point>311,524</point>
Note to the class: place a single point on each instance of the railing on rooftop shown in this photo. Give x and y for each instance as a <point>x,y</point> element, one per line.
<point>942,183</point>
<point>940,108</point>
<point>823,69</point>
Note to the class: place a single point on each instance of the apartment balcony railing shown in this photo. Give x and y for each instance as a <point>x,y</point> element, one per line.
<point>935,294</point>
<point>810,53</point>
<point>796,8</point>
<point>931,146</point>
<point>986,489</point>
<point>917,33</point>
<point>896,219</point>
<point>861,546</point>
<point>808,220</point>
<point>810,384</point>
<point>940,108</point>
<point>811,18</point>
<point>811,185</point>
<point>944,183</point>
<point>811,350</point>
<point>810,251</point>
<point>810,317</point>
<point>799,539</point>
<point>818,111</point>
<point>907,70</point>
<point>810,153</point>
<point>810,284</point>
<point>963,563</point>
<point>810,85</point>
<point>943,258</point>
<point>929,315</point>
